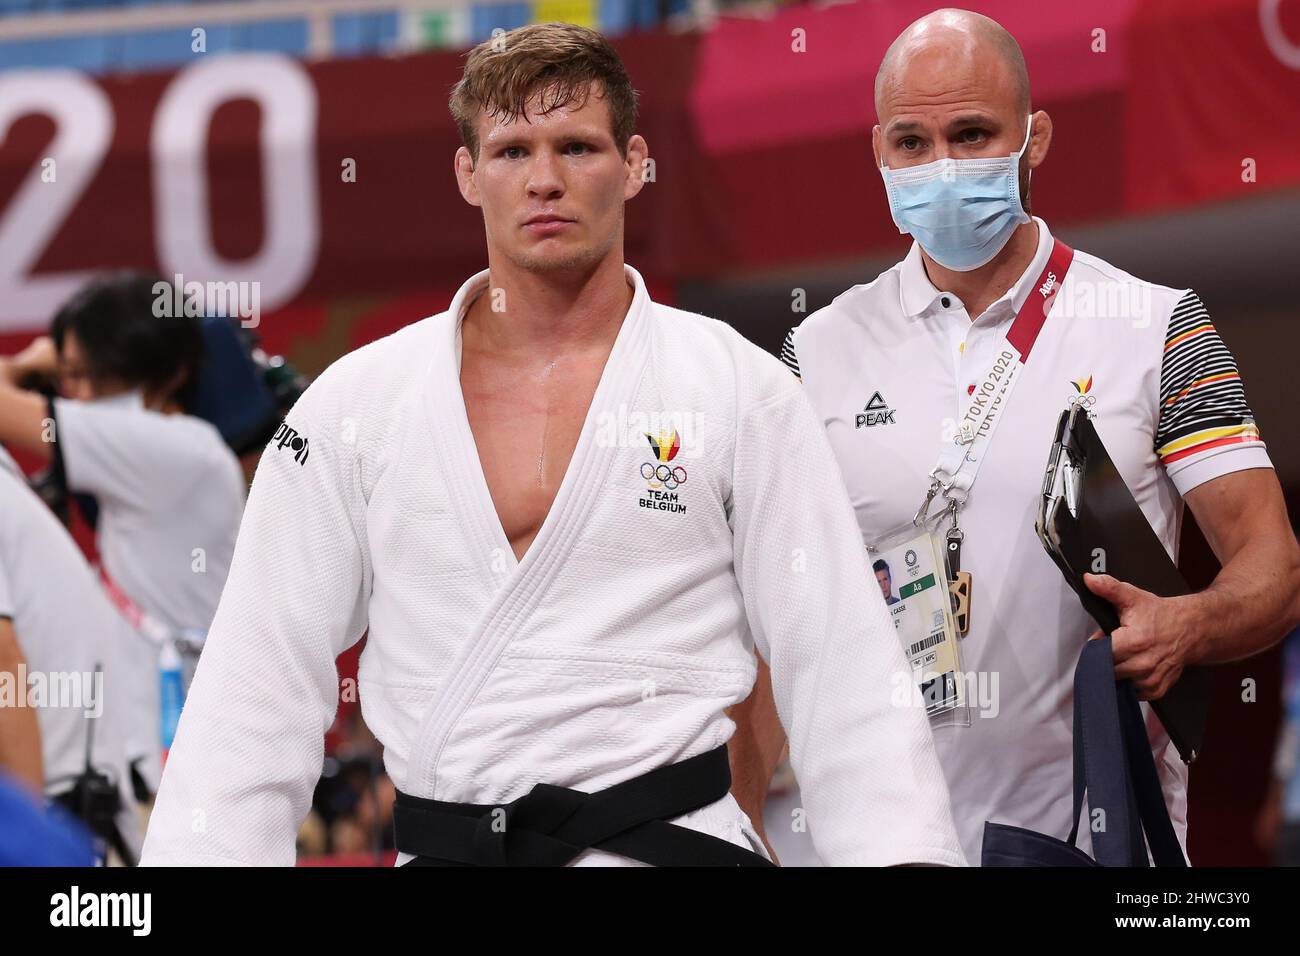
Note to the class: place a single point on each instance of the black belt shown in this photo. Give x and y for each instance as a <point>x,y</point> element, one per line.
<point>550,826</point>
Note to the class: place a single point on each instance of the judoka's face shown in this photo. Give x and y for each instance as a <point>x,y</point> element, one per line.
<point>552,185</point>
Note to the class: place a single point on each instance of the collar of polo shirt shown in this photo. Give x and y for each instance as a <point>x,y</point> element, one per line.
<point>920,299</point>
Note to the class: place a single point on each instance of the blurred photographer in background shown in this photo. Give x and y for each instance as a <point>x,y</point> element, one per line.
<point>168,489</point>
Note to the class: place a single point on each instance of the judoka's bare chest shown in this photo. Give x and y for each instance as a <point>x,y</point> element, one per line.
<point>527,415</point>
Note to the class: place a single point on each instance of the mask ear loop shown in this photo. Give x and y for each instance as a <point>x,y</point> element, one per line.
<point>1029,130</point>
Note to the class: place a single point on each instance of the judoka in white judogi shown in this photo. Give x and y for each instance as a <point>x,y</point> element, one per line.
<point>701,516</point>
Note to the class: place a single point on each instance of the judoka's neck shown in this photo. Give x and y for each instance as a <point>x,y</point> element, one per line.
<point>540,310</point>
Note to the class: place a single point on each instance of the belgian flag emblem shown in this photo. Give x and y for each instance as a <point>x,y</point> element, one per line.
<point>665,447</point>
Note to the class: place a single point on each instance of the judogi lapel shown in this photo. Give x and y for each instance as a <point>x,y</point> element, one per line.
<point>526,582</point>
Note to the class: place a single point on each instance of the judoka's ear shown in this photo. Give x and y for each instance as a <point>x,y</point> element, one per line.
<point>639,166</point>
<point>465,176</point>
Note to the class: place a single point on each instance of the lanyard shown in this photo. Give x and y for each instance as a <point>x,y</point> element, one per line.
<point>146,624</point>
<point>140,619</point>
<point>959,462</point>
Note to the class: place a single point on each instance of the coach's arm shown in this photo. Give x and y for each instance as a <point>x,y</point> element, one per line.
<point>20,735</point>
<point>24,415</point>
<point>755,749</point>
<point>1252,603</point>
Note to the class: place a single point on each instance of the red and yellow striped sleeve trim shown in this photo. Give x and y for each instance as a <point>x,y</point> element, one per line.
<point>1206,439</point>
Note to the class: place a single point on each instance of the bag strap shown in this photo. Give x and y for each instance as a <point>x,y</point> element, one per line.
<point>1161,837</point>
<point>1113,764</point>
<point>1100,753</point>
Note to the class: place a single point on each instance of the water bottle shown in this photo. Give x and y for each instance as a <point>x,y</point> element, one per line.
<point>173,692</point>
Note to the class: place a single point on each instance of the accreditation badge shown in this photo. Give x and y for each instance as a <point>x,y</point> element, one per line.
<point>909,570</point>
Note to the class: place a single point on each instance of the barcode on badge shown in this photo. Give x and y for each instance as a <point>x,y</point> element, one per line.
<point>921,645</point>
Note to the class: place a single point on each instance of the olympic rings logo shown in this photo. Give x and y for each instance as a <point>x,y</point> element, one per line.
<point>658,476</point>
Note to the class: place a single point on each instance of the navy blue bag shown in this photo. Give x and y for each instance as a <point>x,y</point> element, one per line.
<point>230,390</point>
<point>1114,765</point>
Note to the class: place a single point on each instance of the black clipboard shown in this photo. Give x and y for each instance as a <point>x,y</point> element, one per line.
<point>1085,507</point>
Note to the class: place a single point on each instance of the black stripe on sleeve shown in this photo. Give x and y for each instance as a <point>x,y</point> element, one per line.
<point>788,355</point>
<point>1188,402</point>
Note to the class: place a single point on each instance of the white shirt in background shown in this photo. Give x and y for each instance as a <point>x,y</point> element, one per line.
<point>170,493</point>
<point>65,626</point>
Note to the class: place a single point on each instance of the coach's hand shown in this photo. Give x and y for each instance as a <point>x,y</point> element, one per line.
<point>40,356</point>
<point>1156,638</point>
<point>40,359</point>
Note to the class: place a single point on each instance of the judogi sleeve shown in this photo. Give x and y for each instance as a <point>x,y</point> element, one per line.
<point>250,744</point>
<point>873,789</point>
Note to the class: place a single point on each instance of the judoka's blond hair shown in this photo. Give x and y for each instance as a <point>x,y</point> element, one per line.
<point>554,62</point>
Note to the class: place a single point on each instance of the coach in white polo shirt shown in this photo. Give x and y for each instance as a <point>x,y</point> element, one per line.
<point>890,367</point>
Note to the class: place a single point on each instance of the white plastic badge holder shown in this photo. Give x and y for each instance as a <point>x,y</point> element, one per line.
<point>908,568</point>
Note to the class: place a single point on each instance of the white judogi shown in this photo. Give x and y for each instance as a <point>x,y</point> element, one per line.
<point>610,650</point>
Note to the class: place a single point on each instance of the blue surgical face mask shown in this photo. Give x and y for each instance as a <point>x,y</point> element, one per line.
<point>961,211</point>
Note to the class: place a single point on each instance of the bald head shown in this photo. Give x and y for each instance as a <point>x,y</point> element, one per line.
<point>954,86</point>
<point>957,48</point>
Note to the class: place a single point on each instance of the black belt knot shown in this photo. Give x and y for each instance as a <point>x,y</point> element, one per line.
<point>550,825</point>
<point>534,821</point>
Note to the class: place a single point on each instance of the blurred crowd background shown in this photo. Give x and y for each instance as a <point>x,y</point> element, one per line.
<point>306,147</point>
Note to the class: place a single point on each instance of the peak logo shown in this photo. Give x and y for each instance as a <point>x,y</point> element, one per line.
<point>875,412</point>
